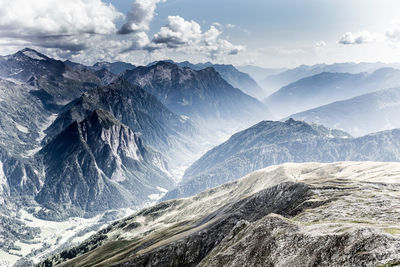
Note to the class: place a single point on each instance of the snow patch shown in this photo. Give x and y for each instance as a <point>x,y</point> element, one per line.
<point>30,153</point>
<point>154,197</point>
<point>21,128</point>
<point>51,231</point>
<point>184,102</point>
<point>33,55</point>
<point>162,189</point>
<point>185,118</point>
<point>44,126</point>
<point>3,179</point>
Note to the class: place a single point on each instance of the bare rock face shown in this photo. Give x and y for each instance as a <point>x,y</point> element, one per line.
<point>310,214</point>
<point>97,165</point>
<point>275,241</point>
<point>139,110</point>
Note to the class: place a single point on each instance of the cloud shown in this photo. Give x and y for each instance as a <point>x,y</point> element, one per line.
<point>357,38</point>
<point>46,18</point>
<point>86,31</point>
<point>139,17</point>
<point>56,24</point>
<point>291,51</point>
<point>320,44</point>
<point>180,33</point>
<point>393,34</point>
<point>230,26</point>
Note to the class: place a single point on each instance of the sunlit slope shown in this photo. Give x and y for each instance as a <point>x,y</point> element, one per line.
<point>343,214</point>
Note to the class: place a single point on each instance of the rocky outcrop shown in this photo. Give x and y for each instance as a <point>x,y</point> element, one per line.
<point>308,214</point>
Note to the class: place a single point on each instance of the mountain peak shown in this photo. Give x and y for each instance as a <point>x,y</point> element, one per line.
<point>290,120</point>
<point>166,63</point>
<point>103,118</point>
<point>31,53</point>
<point>120,82</point>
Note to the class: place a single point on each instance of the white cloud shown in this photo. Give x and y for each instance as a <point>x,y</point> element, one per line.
<point>45,18</point>
<point>230,26</point>
<point>56,24</point>
<point>85,31</point>
<point>139,17</point>
<point>393,34</point>
<point>320,44</point>
<point>291,51</point>
<point>362,37</point>
<point>179,33</point>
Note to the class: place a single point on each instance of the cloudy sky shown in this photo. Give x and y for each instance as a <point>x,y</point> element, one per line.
<point>268,33</point>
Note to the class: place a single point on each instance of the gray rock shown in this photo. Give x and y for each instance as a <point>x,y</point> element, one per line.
<point>97,165</point>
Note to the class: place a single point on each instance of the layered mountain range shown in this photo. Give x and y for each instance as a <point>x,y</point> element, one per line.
<point>273,82</point>
<point>202,97</point>
<point>360,115</point>
<point>133,106</point>
<point>326,87</point>
<point>270,143</point>
<point>78,140</point>
<point>81,146</point>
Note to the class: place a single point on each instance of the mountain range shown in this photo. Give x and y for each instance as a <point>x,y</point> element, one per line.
<point>202,95</point>
<point>326,87</point>
<point>57,83</point>
<point>82,146</point>
<point>229,73</point>
<point>274,82</point>
<point>270,143</point>
<point>133,106</point>
<point>259,73</point>
<point>360,115</point>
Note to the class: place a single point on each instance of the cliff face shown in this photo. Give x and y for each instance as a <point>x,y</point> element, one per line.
<point>100,164</point>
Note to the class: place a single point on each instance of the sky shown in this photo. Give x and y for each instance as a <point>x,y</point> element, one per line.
<point>266,33</point>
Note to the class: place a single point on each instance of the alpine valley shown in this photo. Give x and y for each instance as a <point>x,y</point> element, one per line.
<point>198,164</point>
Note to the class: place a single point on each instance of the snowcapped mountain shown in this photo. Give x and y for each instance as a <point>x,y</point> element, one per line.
<point>269,143</point>
<point>275,81</point>
<point>360,115</point>
<point>203,96</point>
<point>323,212</point>
<point>325,88</point>
<point>104,165</point>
